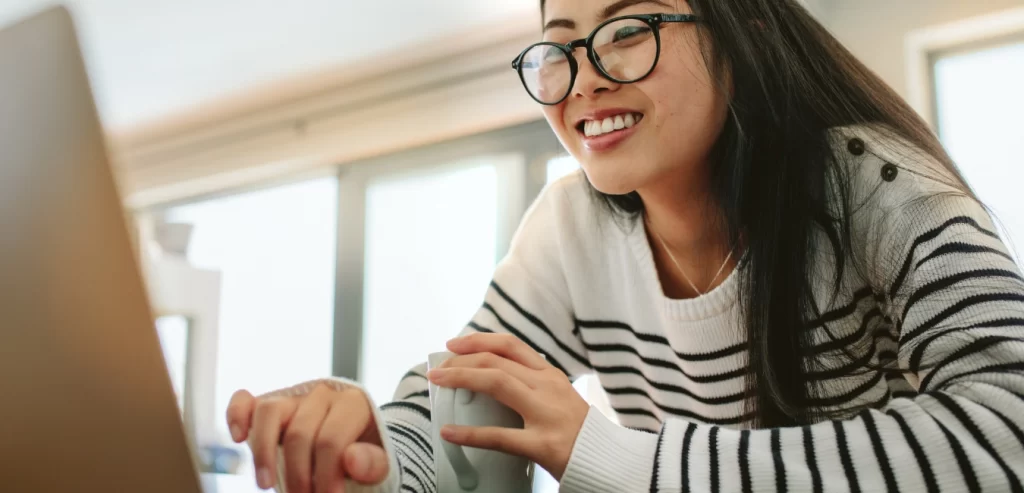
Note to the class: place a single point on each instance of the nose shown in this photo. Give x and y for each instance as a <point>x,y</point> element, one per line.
<point>589,82</point>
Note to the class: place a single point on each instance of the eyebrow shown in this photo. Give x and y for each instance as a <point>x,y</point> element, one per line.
<point>608,12</point>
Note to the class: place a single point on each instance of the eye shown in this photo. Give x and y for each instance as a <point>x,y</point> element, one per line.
<point>553,56</point>
<point>631,34</point>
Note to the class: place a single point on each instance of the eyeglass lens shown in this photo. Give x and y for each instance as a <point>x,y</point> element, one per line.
<point>626,51</point>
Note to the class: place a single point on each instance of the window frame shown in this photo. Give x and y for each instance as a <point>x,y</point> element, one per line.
<point>924,47</point>
<point>534,141</point>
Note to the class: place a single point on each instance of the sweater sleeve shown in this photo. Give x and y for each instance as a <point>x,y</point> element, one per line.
<point>957,299</point>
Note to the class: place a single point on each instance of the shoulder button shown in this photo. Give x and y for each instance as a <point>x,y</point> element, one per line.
<point>889,172</point>
<point>855,146</point>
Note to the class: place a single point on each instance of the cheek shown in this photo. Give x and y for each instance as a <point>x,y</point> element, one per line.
<point>556,120</point>
<point>689,109</point>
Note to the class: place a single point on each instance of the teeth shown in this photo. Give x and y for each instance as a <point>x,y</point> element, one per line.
<point>594,128</point>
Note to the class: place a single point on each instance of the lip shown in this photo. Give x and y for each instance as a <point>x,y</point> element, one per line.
<point>607,142</point>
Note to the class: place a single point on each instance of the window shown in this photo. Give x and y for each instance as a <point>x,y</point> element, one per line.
<point>561,166</point>
<point>431,241</point>
<point>173,333</point>
<point>587,386</point>
<point>275,251</point>
<point>979,103</point>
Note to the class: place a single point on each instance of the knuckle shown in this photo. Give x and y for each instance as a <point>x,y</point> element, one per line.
<point>349,397</point>
<point>326,445</point>
<point>555,375</point>
<point>267,406</point>
<point>298,482</point>
<point>295,439</point>
<point>321,391</point>
<point>499,382</point>
<point>488,360</point>
<point>263,406</point>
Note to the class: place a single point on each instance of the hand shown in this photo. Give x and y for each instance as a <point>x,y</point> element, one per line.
<point>326,436</point>
<point>505,368</point>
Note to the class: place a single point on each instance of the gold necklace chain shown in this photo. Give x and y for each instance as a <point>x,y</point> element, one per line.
<point>680,269</point>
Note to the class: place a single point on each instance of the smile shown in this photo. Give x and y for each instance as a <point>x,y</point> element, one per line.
<point>597,128</point>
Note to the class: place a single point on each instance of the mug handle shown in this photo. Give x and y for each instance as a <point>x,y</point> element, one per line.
<point>466,473</point>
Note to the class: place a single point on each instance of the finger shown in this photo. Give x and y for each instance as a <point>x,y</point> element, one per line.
<point>366,463</point>
<point>270,417</point>
<point>239,415</point>
<point>491,360</point>
<point>503,387</point>
<point>298,439</point>
<point>345,422</point>
<point>513,441</point>
<point>505,345</point>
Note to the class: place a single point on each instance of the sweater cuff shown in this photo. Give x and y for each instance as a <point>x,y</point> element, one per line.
<point>609,458</point>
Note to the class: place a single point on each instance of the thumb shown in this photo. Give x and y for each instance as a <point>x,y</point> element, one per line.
<point>366,463</point>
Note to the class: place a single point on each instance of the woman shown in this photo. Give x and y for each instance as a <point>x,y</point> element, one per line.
<point>769,262</point>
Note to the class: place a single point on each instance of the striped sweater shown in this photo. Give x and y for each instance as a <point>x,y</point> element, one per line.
<point>938,296</point>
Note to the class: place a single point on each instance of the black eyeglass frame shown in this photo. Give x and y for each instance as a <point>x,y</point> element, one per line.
<point>653,20</point>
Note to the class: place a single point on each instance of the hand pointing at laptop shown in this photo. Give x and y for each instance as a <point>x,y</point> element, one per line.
<point>333,429</point>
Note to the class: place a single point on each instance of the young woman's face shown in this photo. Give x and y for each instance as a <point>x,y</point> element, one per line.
<point>678,110</point>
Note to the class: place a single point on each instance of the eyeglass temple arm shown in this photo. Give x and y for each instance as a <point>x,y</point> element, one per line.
<point>678,18</point>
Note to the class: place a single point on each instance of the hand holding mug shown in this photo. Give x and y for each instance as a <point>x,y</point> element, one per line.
<point>505,368</point>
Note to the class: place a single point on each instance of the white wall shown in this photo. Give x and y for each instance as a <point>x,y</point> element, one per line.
<point>875,30</point>
<point>150,59</point>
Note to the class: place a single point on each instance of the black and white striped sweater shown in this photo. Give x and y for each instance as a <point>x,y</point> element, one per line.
<point>939,295</point>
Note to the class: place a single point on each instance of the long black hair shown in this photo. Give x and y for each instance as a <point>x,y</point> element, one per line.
<point>776,179</point>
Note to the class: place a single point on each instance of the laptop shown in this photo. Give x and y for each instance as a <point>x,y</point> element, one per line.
<point>86,401</point>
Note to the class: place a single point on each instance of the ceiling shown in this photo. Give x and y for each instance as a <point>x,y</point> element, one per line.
<point>152,58</point>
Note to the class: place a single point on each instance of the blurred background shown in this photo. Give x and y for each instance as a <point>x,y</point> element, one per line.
<point>323,187</point>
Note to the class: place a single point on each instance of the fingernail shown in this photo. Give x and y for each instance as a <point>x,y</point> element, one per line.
<point>436,374</point>
<point>263,478</point>
<point>455,342</point>
<point>236,433</point>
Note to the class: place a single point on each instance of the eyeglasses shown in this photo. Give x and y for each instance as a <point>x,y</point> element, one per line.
<point>624,50</point>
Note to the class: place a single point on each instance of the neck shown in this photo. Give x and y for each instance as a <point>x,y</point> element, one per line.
<point>681,212</point>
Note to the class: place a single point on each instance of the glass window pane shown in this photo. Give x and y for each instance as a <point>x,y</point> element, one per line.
<point>275,250</point>
<point>561,166</point>
<point>430,253</point>
<point>173,333</point>
<point>979,106</point>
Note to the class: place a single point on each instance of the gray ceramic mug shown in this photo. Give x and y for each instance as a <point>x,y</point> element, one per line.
<point>465,469</point>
